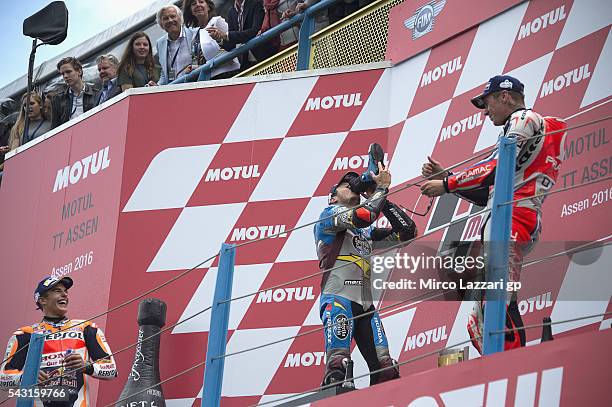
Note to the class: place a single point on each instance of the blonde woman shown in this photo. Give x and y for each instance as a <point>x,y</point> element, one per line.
<point>39,122</point>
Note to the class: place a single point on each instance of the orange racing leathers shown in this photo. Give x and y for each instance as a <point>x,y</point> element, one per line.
<point>62,337</point>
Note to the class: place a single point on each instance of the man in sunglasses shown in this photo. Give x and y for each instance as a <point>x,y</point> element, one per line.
<point>344,237</point>
<point>538,160</point>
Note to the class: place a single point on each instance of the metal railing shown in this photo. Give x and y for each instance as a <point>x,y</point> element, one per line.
<point>360,38</point>
<point>303,53</point>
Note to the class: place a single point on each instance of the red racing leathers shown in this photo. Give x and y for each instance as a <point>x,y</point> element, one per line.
<point>538,159</point>
<point>84,338</point>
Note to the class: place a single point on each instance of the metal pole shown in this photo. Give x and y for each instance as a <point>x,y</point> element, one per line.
<point>29,376</point>
<point>25,138</point>
<point>304,46</point>
<point>213,374</point>
<point>499,247</point>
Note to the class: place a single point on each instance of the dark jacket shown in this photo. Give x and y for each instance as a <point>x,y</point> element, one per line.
<point>114,91</point>
<point>6,124</point>
<point>253,18</point>
<point>61,105</point>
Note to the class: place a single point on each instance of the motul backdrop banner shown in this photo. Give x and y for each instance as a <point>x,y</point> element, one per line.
<point>166,175</point>
<point>559,373</point>
<point>417,25</point>
<point>59,206</point>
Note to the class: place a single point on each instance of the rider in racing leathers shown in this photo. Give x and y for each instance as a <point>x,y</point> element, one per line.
<point>344,239</point>
<point>68,344</point>
<point>538,159</point>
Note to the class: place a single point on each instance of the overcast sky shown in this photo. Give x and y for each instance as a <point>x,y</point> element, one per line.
<point>86,18</point>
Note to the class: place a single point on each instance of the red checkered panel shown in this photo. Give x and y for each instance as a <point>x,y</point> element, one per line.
<point>277,146</point>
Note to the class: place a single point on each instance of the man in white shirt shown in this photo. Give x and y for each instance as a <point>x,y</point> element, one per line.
<point>173,49</point>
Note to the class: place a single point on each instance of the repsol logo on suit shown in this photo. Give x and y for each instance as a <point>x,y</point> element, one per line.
<point>64,335</point>
<point>107,373</point>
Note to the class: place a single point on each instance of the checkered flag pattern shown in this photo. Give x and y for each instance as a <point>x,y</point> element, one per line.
<point>259,159</point>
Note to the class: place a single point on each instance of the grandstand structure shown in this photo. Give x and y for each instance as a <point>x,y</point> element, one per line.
<point>110,41</point>
<point>248,162</point>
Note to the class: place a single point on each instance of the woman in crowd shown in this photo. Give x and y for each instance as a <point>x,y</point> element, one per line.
<point>39,122</point>
<point>47,105</point>
<point>245,21</point>
<point>199,15</point>
<point>137,67</point>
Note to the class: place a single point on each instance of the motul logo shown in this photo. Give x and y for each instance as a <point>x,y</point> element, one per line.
<point>461,126</point>
<point>497,392</point>
<point>91,164</point>
<point>355,162</point>
<point>472,229</point>
<point>286,294</point>
<point>305,359</point>
<point>225,174</point>
<point>426,338</point>
<point>540,23</point>
<point>563,81</point>
<point>537,303</point>
<point>258,232</point>
<point>334,102</point>
<point>441,71</point>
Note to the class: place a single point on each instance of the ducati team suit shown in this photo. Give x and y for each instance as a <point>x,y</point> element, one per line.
<point>344,244</point>
<point>62,336</point>
<point>538,159</point>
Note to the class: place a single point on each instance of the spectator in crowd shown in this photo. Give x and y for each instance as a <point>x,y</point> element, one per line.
<point>137,67</point>
<point>244,19</point>
<point>77,98</point>
<point>70,359</point>
<point>107,69</point>
<point>199,16</point>
<point>335,12</point>
<point>39,123</point>
<point>8,117</point>
<point>47,104</point>
<point>8,108</point>
<point>174,49</point>
<point>293,9</point>
<point>286,10</point>
<point>341,9</point>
